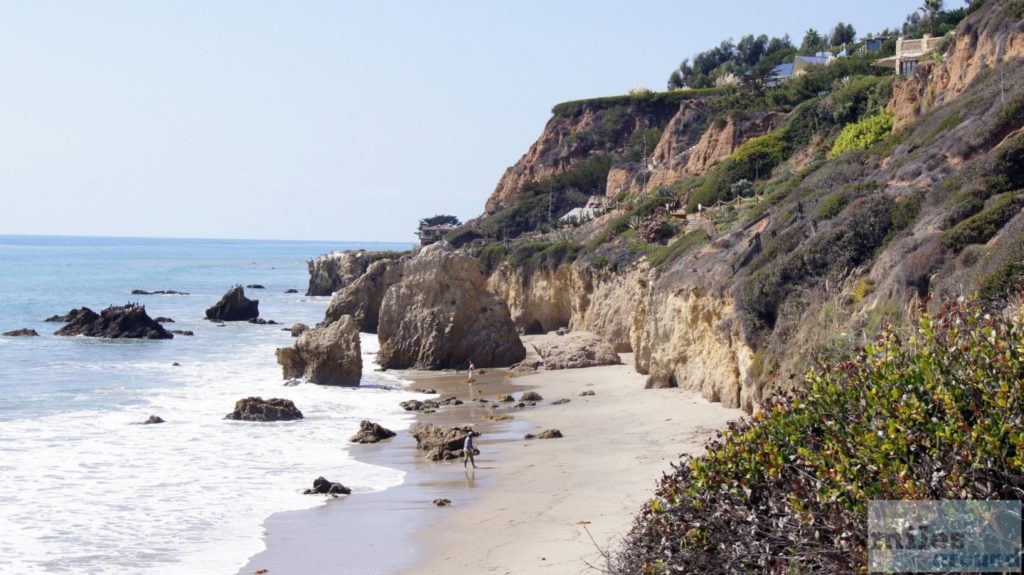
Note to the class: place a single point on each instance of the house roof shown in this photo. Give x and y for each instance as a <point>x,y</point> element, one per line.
<point>813,59</point>
<point>783,70</point>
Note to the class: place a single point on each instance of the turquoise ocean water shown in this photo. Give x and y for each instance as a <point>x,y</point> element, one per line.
<point>82,489</point>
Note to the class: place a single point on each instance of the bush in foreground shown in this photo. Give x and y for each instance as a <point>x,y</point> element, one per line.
<point>937,416</point>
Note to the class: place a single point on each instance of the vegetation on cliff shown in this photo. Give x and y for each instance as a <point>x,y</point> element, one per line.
<point>932,414</point>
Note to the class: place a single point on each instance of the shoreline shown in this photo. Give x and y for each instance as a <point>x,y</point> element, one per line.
<point>551,504</point>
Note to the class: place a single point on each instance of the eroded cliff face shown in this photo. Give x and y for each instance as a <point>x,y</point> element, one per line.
<point>984,39</point>
<point>331,272</point>
<point>722,139</point>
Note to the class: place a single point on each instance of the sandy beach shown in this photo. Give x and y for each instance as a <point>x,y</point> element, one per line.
<point>532,506</point>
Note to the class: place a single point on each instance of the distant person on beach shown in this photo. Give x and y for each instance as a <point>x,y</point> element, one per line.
<point>471,368</point>
<point>467,449</point>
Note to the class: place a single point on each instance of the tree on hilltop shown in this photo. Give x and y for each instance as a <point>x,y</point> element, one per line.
<point>440,220</point>
<point>813,42</point>
<point>842,34</point>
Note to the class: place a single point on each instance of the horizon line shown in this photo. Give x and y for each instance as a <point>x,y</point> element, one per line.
<point>137,237</point>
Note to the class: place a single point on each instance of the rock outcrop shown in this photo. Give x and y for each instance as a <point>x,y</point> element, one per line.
<point>362,297</point>
<point>575,349</point>
<point>259,409</point>
<point>370,432</point>
<point>298,329</point>
<point>331,272</point>
<point>441,315</point>
<point>234,306</point>
<point>721,140</point>
<point>23,332</point>
<point>158,292</point>
<point>983,40</point>
<point>152,420</point>
<point>321,486</point>
<point>327,355</point>
<point>441,442</point>
<point>116,322</point>
<point>66,317</point>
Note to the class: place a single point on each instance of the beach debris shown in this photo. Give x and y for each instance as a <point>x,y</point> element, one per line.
<point>327,355</point>
<point>115,322</point>
<point>492,417</point>
<point>442,442</point>
<point>23,332</point>
<point>531,396</point>
<point>158,292</point>
<point>163,319</point>
<point>562,401</point>
<point>321,486</point>
<point>370,432</point>
<point>234,306</point>
<point>549,434</point>
<point>442,502</point>
<point>153,419</point>
<point>298,329</point>
<point>575,349</point>
<point>256,286</point>
<point>587,393</point>
<point>185,332</point>
<point>259,409</point>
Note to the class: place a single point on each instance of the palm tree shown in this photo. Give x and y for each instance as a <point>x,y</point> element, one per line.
<point>932,8</point>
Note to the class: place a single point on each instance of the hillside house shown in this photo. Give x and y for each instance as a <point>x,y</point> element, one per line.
<point>909,53</point>
<point>874,43</point>
<point>800,65</point>
<point>432,234</point>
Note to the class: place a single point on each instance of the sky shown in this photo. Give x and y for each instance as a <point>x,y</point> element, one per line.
<point>317,120</point>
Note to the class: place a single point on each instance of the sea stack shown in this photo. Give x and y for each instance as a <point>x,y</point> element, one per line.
<point>234,306</point>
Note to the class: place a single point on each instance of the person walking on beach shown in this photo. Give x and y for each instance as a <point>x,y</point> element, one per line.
<point>471,368</point>
<point>467,450</point>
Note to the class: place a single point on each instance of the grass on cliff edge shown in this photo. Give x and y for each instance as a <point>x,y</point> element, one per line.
<point>939,415</point>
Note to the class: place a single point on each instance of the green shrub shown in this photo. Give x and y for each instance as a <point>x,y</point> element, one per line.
<point>531,256</point>
<point>491,257</point>
<point>981,227</point>
<point>646,100</point>
<point>754,159</point>
<point>1007,277</point>
<point>462,236</point>
<point>683,245</point>
<point>863,134</point>
<point>832,205</point>
<point>786,491</point>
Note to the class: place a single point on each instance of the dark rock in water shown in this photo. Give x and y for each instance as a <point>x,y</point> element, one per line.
<point>259,409</point>
<point>158,292</point>
<point>292,382</point>
<point>153,419</point>
<point>186,332</point>
<point>261,321</point>
<point>327,355</point>
<point>531,396</point>
<point>163,319</point>
<point>450,400</point>
<point>256,286</point>
<point>549,434</point>
<point>429,390</point>
<point>23,332</point>
<point>415,405</point>
<point>442,502</point>
<point>66,317</point>
<point>587,393</point>
<point>529,436</point>
<point>560,402</point>
<point>175,364</point>
<point>370,432</point>
<point>234,306</point>
<point>442,442</point>
<point>298,329</point>
<point>291,290</point>
<point>322,486</point>
<point>115,322</point>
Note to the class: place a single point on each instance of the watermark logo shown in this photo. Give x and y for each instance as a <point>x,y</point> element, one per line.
<point>944,536</point>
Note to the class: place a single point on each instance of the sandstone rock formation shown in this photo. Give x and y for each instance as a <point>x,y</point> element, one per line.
<point>298,329</point>
<point>331,272</point>
<point>259,409</point>
<point>370,432</point>
<point>115,322</point>
<point>362,297</point>
<point>441,442</point>
<point>722,139</point>
<point>321,486</point>
<point>440,315</point>
<point>234,306</point>
<point>23,332</point>
<point>327,355</point>
<point>575,349</point>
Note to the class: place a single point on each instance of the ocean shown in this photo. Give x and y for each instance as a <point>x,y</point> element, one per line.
<point>83,488</point>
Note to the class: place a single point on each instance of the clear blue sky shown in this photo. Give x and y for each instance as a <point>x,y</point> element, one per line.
<point>319,120</point>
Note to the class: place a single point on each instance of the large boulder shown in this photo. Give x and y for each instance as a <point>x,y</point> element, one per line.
<point>370,432</point>
<point>331,272</point>
<point>321,486</point>
<point>362,298</point>
<point>575,349</point>
<point>23,332</point>
<point>234,306</point>
<point>441,442</point>
<point>115,322</point>
<point>440,315</point>
<point>328,355</point>
<point>259,409</point>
